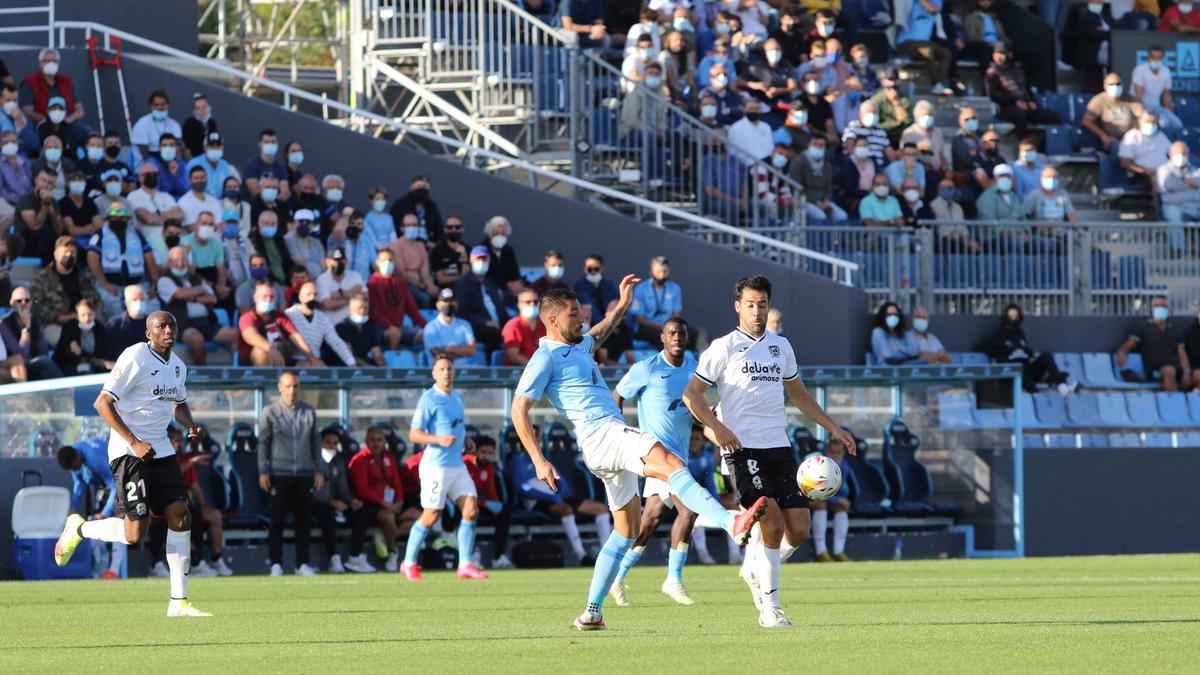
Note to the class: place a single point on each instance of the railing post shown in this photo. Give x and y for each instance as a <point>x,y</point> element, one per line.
<point>923,281</point>
<point>580,132</point>
<point>1081,265</point>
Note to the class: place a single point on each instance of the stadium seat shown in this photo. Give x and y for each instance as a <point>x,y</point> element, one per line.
<point>1050,409</point>
<point>954,411</point>
<point>1192,138</point>
<point>1187,110</point>
<point>251,510</point>
<point>1061,441</point>
<point>1083,410</point>
<point>1131,273</point>
<point>496,359</point>
<point>1193,400</point>
<point>1070,363</point>
<point>1029,417</point>
<point>1102,269</point>
<point>1036,441</point>
<point>1113,410</point>
<point>907,477</point>
<point>1143,408</point>
<point>400,358</point>
<point>803,442</point>
<point>1124,439</point>
<point>1187,439</point>
<point>1098,372</point>
<point>873,495</point>
<point>1093,440</point>
<point>1158,439</point>
<point>1059,143</point>
<point>1173,409</point>
<point>974,359</point>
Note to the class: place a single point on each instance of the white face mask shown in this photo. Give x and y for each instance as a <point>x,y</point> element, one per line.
<point>57,115</point>
<point>328,455</point>
<point>529,311</point>
<point>1185,7</point>
<point>862,153</point>
<point>555,272</point>
<point>812,87</point>
<point>869,119</point>
<point>594,278</point>
<point>1049,184</point>
<point>773,56</point>
<point>912,195</point>
<point>206,232</point>
<point>168,154</point>
<point>8,149</point>
<point>1179,161</point>
<point>1115,90</point>
<point>818,62</point>
<point>214,155</point>
<point>880,191</point>
<point>387,267</point>
<point>480,267</point>
<point>926,121</point>
<point>51,68</point>
<point>498,241</point>
<point>135,308</point>
<point>9,107</point>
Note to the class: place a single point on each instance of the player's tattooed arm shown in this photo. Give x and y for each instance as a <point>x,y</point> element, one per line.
<point>606,327</point>
<point>798,393</point>
<point>520,418</point>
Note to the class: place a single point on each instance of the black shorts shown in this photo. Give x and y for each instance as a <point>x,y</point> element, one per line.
<point>769,472</point>
<point>145,488</point>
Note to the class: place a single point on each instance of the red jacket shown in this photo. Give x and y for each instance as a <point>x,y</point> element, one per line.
<point>410,472</point>
<point>41,91</point>
<point>390,300</point>
<point>370,475</point>
<point>485,479</point>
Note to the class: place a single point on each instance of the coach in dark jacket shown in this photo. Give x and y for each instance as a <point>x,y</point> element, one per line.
<point>481,302</point>
<point>290,467</point>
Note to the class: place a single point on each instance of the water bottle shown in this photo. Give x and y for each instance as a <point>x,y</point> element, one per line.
<point>898,553</point>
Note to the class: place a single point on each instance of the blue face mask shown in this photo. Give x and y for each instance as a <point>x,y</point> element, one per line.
<point>815,154</point>
<point>303,229</point>
<point>892,321</point>
<point>230,231</point>
<point>972,125</point>
<point>1160,313</point>
<point>296,158</point>
<point>158,115</point>
<point>854,97</point>
<point>947,194</point>
<point>179,274</point>
<point>360,320</point>
<point>269,194</point>
<point>112,188</point>
<point>95,154</point>
<point>654,82</point>
<point>921,325</point>
<point>722,29</point>
<point>231,194</point>
<point>720,59</point>
<point>52,155</point>
<point>268,232</point>
<point>258,273</point>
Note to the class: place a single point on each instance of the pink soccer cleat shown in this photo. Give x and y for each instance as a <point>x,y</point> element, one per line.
<point>470,571</point>
<point>109,575</point>
<point>746,520</point>
<point>411,571</point>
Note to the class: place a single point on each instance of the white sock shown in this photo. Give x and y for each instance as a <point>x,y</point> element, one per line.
<point>119,551</point>
<point>700,541</point>
<point>111,530</point>
<point>768,576</point>
<point>841,527</point>
<point>786,549</point>
<point>752,548</point>
<point>820,522</point>
<point>568,523</point>
<point>179,560</point>
<point>603,527</point>
<point>701,521</point>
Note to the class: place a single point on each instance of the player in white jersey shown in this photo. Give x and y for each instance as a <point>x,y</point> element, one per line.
<point>145,391</point>
<point>752,368</point>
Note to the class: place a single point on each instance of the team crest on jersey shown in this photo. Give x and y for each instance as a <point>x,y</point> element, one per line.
<point>140,509</point>
<point>177,367</point>
<point>774,353</point>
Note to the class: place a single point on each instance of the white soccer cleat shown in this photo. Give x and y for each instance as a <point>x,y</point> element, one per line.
<point>755,591</point>
<point>335,565</point>
<point>502,563</point>
<point>305,571</point>
<point>202,569</point>
<point>393,561</point>
<point>276,570</point>
<point>772,617</point>
<point>358,563</point>
<point>223,569</point>
<point>160,570</point>
<point>617,592</point>
<point>673,589</point>
<point>183,608</point>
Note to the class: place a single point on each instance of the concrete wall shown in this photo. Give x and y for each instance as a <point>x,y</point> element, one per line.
<point>171,22</point>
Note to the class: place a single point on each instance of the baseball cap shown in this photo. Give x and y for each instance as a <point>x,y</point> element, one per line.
<point>337,254</point>
<point>110,174</point>
<point>57,101</point>
<point>64,241</point>
<point>1002,170</point>
<point>305,214</point>
<point>231,216</point>
<point>446,294</point>
<point>480,250</point>
<point>214,138</point>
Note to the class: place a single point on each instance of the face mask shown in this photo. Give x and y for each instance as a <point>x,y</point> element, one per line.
<point>799,117</point>
<point>179,274</point>
<point>339,268</point>
<point>269,149</point>
<point>311,304</point>
<point>214,155</point>
<point>258,273</point>
<point>8,149</point>
<point>594,278</point>
<point>85,327</point>
<point>498,241</point>
<point>815,154</point>
<point>379,205</point>
<point>1155,65</point>
<point>818,62</point>
<point>862,153</point>
<point>773,56</point>
<point>230,231</point>
<point>231,195</point>
<point>1160,313</point>
<point>412,232</point>
<point>352,232</point>
<point>555,272</point>
<point>95,154</point>
<point>168,154</point>
<point>1001,60</point>
<point>9,107</point>
<point>171,240</point>
<point>722,29</point>
<point>296,158</point>
<point>869,119</point>
<point>1185,7</point>
<point>268,232</point>
<point>682,24</point>
<point>708,111</point>
<point>328,455</point>
<point>778,161</point>
<point>334,195</point>
<point>419,194</point>
<point>1004,184</point>
<point>77,187</point>
<point>51,68</point>
<point>264,306</point>
<point>720,81</point>
<point>68,261</point>
<point>57,116</point>
<point>1115,90</point>
<point>150,180</point>
<point>1030,156</point>
<point>1179,161</point>
<point>825,29</point>
<point>880,191</point>
<point>720,59</point>
<point>159,115</point>
<point>529,311</point>
<point>648,27</point>
<point>812,87</point>
<point>112,188</point>
<point>912,195</point>
<point>653,82</point>
<point>1095,7</point>
<point>360,320</point>
<point>135,308</point>
<point>926,121</point>
<point>479,267</point>
<point>862,62</point>
<point>112,151</point>
<point>1049,184</point>
<point>206,232</point>
<point>269,194</point>
<point>947,194</point>
<point>972,125</point>
<point>446,310</point>
<point>386,268</point>
<point>1149,129</point>
<point>453,237</point>
<point>892,321</point>
<point>753,117</point>
<point>921,325</point>
<point>52,155</point>
<point>303,230</point>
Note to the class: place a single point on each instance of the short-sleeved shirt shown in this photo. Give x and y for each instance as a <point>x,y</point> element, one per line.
<point>1158,347</point>
<point>442,414</point>
<point>657,304</point>
<point>1148,152</point>
<point>82,215</point>
<point>874,208</point>
<point>749,374</point>
<point>1055,206</point>
<point>140,199</point>
<point>1115,116</point>
<point>361,339</point>
<point>327,287</point>
<point>275,327</point>
<point>256,168</point>
<point>927,343</point>
<point>1153,84</point>
<point>445,258</point>
<point>192,206</point>
<point>147,131</point>
<point>168,284</point>
<point>146,388</point>
<point>517,333</point>
<point>567,375</point>
<point>454,334</point>
<point>658,387</point>
<point>205,255</point>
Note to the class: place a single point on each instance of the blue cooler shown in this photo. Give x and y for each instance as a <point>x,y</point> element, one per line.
<point>37,519</point>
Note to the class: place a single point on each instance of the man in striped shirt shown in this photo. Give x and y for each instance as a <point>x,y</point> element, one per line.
<point>316,328</point>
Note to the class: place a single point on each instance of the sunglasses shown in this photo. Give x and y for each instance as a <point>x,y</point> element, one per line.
<point>21,301</point>
<point>455,228</point>
<point>591,270</point>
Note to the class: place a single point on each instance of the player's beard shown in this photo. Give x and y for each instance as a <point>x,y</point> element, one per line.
<point>576,338</point>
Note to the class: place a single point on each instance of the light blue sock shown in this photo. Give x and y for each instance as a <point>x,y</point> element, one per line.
<point>632,556</point>
<point>697,499</point>
<point>676,557</point>
<point>466,541</point>
<point>607,565</point>
<point>416,537</point>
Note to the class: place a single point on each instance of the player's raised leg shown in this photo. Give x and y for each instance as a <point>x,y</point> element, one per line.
<point>660,464</point>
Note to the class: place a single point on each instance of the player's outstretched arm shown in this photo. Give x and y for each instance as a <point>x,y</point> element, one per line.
<point>601,331</point>
<point>802,399</point>
<point>693,398</point>
<point>520,418</point>
<point>105,405</point>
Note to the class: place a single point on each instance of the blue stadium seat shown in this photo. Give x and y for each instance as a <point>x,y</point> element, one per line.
<point>1036,441</point>
<point>1059,141</point>
<point>496,359</point>
<point>1029,417</point>
<point>429,314</point>
<point>973,359</point>
<point>1187,439</point>
<point>1193,400</point>
<point>1131,272</point>
<point>1133,362</point>
<point>400,358</point>
<point>1191,137</point>
<point>954,411</point>
<point>1093,440</point>
<point>1083,409</point>
<point>1050,410</point>
<point>1158,439</point>
<point>604,130</point>
<point>1124,439</point>
<point>907,477</point>
<point>994,418</point>
<point>1113,410</point>
<point>1115,181</point>
<point>243,477</point>
<point>1098,371</point>
<point>1143,408</point>
<point>1071,364</point>
<point>1102,269</point>
<point>1173,409</point>
<point>1187,110</point>
<point>873,490</point>
<point>1061,441</point>
<point>1059,103</point>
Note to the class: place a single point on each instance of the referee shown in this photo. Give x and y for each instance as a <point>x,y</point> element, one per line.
<point>289,468</point>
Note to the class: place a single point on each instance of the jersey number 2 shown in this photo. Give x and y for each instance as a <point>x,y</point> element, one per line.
<point>132,488</point>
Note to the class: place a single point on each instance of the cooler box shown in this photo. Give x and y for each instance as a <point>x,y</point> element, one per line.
<point>37,519</point>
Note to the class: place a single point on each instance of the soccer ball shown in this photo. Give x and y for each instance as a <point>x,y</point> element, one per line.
<point>819,477</point>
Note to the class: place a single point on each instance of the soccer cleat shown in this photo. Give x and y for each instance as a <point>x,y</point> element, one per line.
<point>823,557</point>
<point>276,570</point>
<point>842,557</point>
<point>589,621</point>
<point>502,563</point>
<point>109,575</point>
<point>772,617</point>
<point>755,590</point>
<point>673,589</point>
<point>745,520</point>
<point>470,571</point>
<point>380,545</point>
<point>393,561</point>
<point>335,565</point>
<point>617,591</point>
<point>222,568</point>
<point>202,570</point>
<point>358,563</point>
<point>183,608</point>
<point>160,571</point>
<point>68,540</point>
<point>411,571</point>
<point>305,571</point>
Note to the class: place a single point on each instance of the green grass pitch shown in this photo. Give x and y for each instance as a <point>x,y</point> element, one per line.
<point>1103,614</point>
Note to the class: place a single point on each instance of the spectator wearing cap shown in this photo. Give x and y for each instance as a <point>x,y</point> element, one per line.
<point>521,333</point>
<point>391,301</point>
<point>867,126</point>
<point>412,261</point>
<point>190,298</point>
<point>554,270</point>
<point>304,245</point>
<point>1000,201</point>
<point>379,222</point>
<point>1112,113</point>
<point>1005,84</point>
<point>266,162</point>
<point>61,129</point>
<point>814,172</point>
<point>39,220</point>
<point>502,257</point>
<point>46,84</point>
<point>118,256</point>
<point>149,128</point>
<point>128,327</point>
<point>214,164</point>
<point>320,334</point>
<point>81,347</point>
<point>59,286</point>
<point>198,127</point>
<point>53,159</point>
<point>895,109</point>
<point>447,333</point>
<point>268,336</point>
<point>924,130</point>
<point>337,285</point>
<point>481,301</point>
<point>364,338</point>
<point>16,177</point>
<point>357,242</point>
<point>418,200</point>
<point>22,335</point>
<point>448,259</point>
<point>151,209</point>
<point>1144,148</point>
<point>172,178</point>
<point>203,244</point>
<point>655,300</point>
<point>197,198</point>
<point>916,39</point>
<point>79,214</point>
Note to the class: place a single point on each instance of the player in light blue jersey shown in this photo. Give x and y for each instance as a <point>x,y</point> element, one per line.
<point>564,371</point>
<point>440,425</point>
<point>658,384</point>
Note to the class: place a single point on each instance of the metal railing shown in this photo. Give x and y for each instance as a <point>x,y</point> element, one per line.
<point>477,158</point>
<point>14,25</point>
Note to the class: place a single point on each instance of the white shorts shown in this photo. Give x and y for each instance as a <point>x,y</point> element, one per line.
<point>657,488</point>
<point>441,483</point>
<point>613,453</point>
